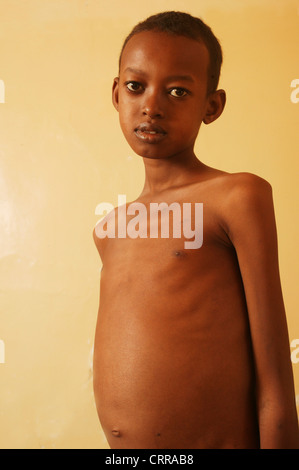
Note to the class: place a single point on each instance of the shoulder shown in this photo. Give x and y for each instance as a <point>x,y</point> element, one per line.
<point>246,201</point>
<point>103,230</point>
<point>231,184</point>
<point>97,240</point>
<point>246,183</point>
<point>248,205</point>
<point>236,190</point>
<point>246,189</point>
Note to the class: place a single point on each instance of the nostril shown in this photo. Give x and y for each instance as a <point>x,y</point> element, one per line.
<point>152,113</point>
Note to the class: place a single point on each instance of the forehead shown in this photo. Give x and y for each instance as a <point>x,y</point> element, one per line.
<point>169,53</point>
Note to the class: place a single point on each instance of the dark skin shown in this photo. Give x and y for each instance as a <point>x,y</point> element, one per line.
<point>191,346</point>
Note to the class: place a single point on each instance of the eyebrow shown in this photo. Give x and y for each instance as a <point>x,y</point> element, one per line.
<point>186,78</point>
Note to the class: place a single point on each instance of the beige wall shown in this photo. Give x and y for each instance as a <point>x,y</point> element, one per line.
<point>62,153</point>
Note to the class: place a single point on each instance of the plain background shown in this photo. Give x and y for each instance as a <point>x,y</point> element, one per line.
<point>62,153</point>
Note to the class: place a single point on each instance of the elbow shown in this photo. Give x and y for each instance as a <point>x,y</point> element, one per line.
<point>278,426</point>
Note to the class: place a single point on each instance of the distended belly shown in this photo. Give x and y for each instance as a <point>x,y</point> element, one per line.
<point>152,384</point>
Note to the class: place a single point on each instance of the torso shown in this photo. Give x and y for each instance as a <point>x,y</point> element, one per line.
<point>173,365</point>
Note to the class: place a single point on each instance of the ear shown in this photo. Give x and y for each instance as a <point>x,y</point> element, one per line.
<point>215,106</point>
<point>115,93</point>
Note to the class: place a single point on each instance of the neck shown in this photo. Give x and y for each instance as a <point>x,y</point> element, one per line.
<point>163,174</point>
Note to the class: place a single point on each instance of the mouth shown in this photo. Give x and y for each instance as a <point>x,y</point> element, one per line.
<point>150,133</point>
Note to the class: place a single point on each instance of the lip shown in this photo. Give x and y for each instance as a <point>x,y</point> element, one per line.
<point>150,133</point>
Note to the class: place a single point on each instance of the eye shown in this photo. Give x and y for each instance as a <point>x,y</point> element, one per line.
<point>133,86</point>
<point>178,92</point>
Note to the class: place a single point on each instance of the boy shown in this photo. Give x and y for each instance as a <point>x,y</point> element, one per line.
<point>191,345</point>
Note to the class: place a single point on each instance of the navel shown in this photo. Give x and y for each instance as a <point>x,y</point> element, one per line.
<point>115,433</point>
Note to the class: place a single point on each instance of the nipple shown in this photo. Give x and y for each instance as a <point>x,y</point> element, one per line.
<point>179,253</point>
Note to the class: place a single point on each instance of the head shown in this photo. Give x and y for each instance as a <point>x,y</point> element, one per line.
<point>182,24</point>
<point>167,85</point>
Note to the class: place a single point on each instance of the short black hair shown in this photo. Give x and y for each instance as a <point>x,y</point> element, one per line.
<point>184,24</point>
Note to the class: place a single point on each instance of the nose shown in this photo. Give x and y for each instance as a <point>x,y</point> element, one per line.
<point>152,105</point>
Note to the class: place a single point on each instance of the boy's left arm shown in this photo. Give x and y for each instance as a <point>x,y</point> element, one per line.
<point>251,226</point>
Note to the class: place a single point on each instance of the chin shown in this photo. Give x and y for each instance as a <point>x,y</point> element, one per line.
<point>153,152</point>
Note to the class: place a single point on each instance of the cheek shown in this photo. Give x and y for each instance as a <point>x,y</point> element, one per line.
<point>127,113</point>
<point>189,127</point>
<point>125,118</point>
<point>127,124</point>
